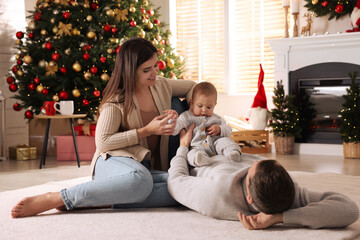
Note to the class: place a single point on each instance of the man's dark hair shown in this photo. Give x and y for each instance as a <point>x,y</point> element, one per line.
<point>271,188</point>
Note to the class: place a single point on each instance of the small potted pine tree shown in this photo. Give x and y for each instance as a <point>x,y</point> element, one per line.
<point>350,114</point>
<point>284,121</point>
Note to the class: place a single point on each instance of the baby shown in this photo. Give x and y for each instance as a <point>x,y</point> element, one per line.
<point>211,134</point>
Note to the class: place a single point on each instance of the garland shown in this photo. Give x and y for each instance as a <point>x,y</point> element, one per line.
<point>335,8</point>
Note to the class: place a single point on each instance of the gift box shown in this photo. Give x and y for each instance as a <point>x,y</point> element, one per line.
<point>86,129</point>
<point>65,150</point>
<point>22,152</point>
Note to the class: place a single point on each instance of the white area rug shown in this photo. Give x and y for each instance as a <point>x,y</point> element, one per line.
<point>161,223</point>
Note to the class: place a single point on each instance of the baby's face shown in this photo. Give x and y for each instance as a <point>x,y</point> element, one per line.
<point>203,105</point>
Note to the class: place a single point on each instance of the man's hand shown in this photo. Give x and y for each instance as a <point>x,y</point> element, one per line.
<point>260,221</point>
<point>186,136</point>
<point>213,130</point>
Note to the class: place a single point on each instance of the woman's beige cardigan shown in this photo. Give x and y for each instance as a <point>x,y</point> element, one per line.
<point>111,136</point>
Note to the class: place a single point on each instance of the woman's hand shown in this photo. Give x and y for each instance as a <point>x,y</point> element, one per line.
<point>186,136</point>
<point>260,221</point>
<point>213,130</point>
<point>158,126</point>
<point>171,112</point>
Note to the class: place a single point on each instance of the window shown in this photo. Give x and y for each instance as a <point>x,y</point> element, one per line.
<point>224,41</point>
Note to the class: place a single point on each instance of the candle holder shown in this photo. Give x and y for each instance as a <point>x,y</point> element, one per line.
<point>295,28</point>
<point>286,9</point>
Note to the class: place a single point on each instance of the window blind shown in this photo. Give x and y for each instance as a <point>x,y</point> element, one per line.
<point>201,39</point>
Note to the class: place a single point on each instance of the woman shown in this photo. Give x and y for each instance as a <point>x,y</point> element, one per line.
<point>131,139</point>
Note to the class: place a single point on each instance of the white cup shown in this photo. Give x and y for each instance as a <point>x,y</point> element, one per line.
<point>66,107</point>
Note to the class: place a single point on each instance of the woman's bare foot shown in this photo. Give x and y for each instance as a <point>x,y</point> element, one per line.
<point>31,206</point>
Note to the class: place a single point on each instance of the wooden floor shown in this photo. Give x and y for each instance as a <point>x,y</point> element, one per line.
<point>19,174</point>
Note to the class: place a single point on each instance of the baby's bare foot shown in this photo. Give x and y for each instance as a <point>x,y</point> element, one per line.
<point>31,206</point>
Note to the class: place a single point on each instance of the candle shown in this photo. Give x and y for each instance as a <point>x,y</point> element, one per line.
<point>294,6</point>
<point>285,3</point>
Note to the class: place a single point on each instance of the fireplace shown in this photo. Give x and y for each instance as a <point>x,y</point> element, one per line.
<point>324,84</point>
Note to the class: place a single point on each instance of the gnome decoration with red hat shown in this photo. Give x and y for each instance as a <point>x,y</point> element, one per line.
<point>258,113</point>
<point>355,18</point>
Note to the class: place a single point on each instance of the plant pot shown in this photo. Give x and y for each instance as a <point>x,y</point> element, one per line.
<point>351,150</point>
<point>284,145</point>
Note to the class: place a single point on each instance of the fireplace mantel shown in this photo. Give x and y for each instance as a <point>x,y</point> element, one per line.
<point>294,53</point>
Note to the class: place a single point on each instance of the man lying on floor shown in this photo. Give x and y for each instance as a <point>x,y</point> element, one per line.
<point>258,192</point>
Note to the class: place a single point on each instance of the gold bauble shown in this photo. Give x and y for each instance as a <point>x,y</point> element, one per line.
<point>42,63</point>
<point>52,20</point>
<point>55,30</point>
<point>132,9</point>
<point>105,77</point>
<point>110,13</point>
<point>142,33</point>
<point>43,32</point>
<point>52,64</point>
<point>45,5</point>
<point>315,2</point>
<point>68,51</point>
<point>57,1</point>
<point>55,98</point>
<point>27,59</point>
<point>146,2</point>
<point>114,40</point>
<point>87,75</point>
<point>150,25</point>
<point>160,73</point>
<point>76,93</point>
<point>75,3</point>
<point>170,62</point>
<point>17,56</point>
<point>89,18</point>
<point>75,32</point>
<point>110,51</point>
<point>145,21</point>
<point>158,37</point>
<point>155,42</point>
<point>91,34</point>
<point>19,42</point>
<point>76,66</point>
<point>19,73</point>
<point>31,25</point>
<point>39,88</point>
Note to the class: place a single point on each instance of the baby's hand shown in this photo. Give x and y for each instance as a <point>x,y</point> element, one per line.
<point>213,130</point>
<point>172,113</point>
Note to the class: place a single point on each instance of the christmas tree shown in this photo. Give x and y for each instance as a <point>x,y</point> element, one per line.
<point>350,114</point>
<point>69,48</point>
<point>335,8</point>
<point>285,116</point>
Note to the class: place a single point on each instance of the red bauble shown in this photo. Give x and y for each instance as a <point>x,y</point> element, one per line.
<point>93,6</point>
<point>13,87</point>
<point>36,80</point>
<point>19,62</point>
<point>132,23</point>
<point>14,69</point>
<point>161,65</point>
<point>10,80</point>
<point>63,95</point>
<point>114,30</point>
<point>86,48</point>
<point>103,59</point>
<point>93,70</point>
<point>17,107</point>
<point>157,21</point>
<point>31,35</point>
<point>96,93</point>
<point>85,102</point>
<point>48,46</point>
<point>117,49</point>
<point>150,12</point>
<point>19,35</point>
<point>45,91</point>
<point>143,11</point>
<point>107,28</point>
<point>63,70</point>
<point>31,86</point>
<point>66,15</point>
<point>325,3</point>
<point>37,16</point>
<point>86,56</point>
<point>29,114</point>
<point>339,8</point>
<point>55,56</point>
<point>160,52</point>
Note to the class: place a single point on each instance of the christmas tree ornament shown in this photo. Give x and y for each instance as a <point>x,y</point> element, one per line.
<point>17,107</point>
<point>93,70</point>
<point>76,93</point>
<point>170,63</point>
<point>66,15</point>
<point>52,20</point>
<point>17,56</point>
<point>110,13</point>
<point>43,32</point>
<point>114,30</point>
<point>19,62</point>
<point>150,25</point>
<point>37,16</point>
<point>27,59</point>
<point>132,9</point>
<point>102,59</point>
<point>160,73</point>
<point>64,29</point>
<point>339,8</point>
<point>91,34</point>
<point>55,30</point>
<point>76,67</point>
<point>155,42</point>
<point>36,80</point>
<point>120,15</point>
<point>39,88</point>
<point>107,28</point>
<point>31,87</point>
<point>42,63</point>
<point>114,40</point>
<point>45,91</point>
<point>89,18</point>
<point>86,56</point>
<point>31,35</point>
<point>63,95</point>
<point>143,10</point>
<point>55,98</point>
<point>63,70</point>
<point>117,49</point>
<point>19,73</point>
<point>86,4</point>
<point>48,46</point>
<point>132,23</point>
<point>19,42</point>
<point>145,21</point>
<point>55,56</point>
<point>142,33</point>
<point>10,80</point>
<point>55,12</point>
<point>172,75</point>
<point>150,12</point>
<point>51,68</point>
<point>75,32</point>
<point>29,114</point>
<point>74,3</point>
<point>85,102</point>
<point>93,6</point>
<point>145,2</point>
<point>324,3</point>
<point>87,75</point>
<point>161,64</point>
<point>67,51</point>
<point>157,21</point>
<point>31,25</point>
<point>96,93</point>
<point>105,77</point>
<point>14,69</point>
<point>314,2</point>
<point>19,35</point>
<point>13,87</point>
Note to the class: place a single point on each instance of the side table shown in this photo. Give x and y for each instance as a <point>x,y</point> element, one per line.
<point>46,137</point>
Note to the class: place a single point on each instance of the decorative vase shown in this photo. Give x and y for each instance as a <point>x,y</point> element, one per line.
<point>351,150</point>
<point>284,145</point>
